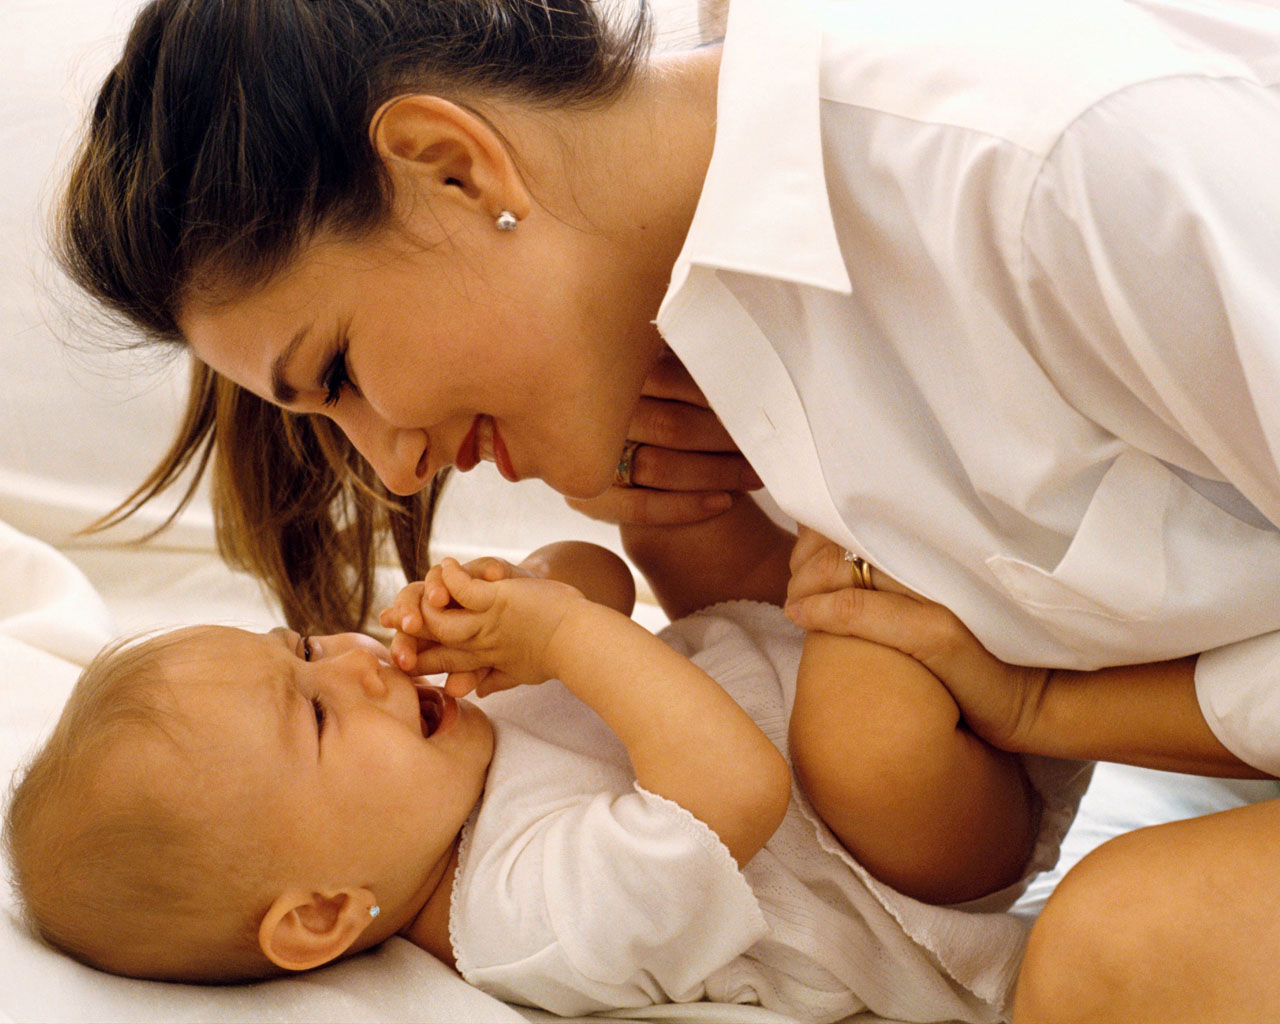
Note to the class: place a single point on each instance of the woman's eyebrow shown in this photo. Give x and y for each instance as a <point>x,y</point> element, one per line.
<point>281,390</point>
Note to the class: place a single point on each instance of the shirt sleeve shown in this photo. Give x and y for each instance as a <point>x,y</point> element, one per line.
<point>615,901</point>
<point>1151,248</point>
<point>1238,687</point>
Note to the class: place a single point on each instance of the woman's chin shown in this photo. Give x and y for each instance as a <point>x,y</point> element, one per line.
<point>582,485</point>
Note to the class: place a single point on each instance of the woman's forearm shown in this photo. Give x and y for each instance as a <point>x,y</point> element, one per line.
<point>1145,715</point>
<point>740,554</point>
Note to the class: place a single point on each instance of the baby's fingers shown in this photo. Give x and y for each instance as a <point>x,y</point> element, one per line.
<point>490,568</point>
<point>473,594</point>
<point>405,612</point>
<point>405,650</point>
<point>459,684</point>
<point>439,660</point>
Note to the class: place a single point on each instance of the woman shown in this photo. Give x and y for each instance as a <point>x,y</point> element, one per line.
<point>984,292</point>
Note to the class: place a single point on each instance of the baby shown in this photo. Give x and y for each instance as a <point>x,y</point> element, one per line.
<point>621,829</point>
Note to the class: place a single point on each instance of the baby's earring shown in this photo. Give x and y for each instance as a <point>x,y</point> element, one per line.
<point>506,221</point>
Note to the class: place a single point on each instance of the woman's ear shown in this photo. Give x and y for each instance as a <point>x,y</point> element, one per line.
<point>302,930</point>
<point>428,143</point>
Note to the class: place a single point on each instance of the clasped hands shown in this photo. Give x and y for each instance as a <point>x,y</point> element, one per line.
<point>682,465</point>
<point>488,625</point>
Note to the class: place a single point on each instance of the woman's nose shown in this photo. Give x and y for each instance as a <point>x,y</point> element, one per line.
<point>398,455</point>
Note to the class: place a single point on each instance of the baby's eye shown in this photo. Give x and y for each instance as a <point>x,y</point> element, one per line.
<point>318,707</point>
<point>305,641</point>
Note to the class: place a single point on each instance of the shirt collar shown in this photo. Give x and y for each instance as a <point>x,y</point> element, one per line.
<point>764,208</point>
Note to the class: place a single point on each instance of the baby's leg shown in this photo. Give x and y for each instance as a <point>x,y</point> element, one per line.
<point>926,806</point>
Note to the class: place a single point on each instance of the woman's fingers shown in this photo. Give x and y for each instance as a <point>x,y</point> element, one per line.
<point>672,424</point>
<point>670,486</point>
<point>672,469</point>
<point>641,506</point>
<point>819,565</point>
<point>808,543</point>
<point>681,464</point>
<point>895,620</point>
<point>928,632</point>
<point>669,379</point>
<point>817,568</point>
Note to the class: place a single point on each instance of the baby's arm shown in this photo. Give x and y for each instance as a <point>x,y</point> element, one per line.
<point>687,739</point>
<point>884,755</point>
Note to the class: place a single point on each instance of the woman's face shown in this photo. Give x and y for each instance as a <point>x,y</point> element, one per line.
<point>506,347</point>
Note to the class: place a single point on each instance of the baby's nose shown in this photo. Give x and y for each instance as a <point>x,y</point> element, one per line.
<point>361,660</point>
<point>364,668</point>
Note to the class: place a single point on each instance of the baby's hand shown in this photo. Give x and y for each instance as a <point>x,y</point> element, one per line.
<point>417,651</point>
<point>488,634</point>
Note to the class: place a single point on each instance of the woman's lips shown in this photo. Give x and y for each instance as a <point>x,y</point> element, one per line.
<point>483,442</point>
<point>469,452</point>
<point>501,457</point>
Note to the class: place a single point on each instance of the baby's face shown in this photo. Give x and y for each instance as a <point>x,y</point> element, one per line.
<point>345,769</point>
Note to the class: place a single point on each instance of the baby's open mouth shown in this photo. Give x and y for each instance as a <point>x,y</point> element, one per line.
<point>431,709</point>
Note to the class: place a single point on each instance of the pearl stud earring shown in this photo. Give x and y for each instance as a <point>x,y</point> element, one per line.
<point>506,221</point>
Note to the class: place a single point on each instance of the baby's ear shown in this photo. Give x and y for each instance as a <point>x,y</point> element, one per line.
<point>304,929</point>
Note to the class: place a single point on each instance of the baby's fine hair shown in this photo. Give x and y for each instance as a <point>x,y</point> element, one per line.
<point>107,866</point>
<point>227,135</point>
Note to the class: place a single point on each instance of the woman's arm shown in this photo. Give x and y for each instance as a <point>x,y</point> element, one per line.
<point>739,554</point>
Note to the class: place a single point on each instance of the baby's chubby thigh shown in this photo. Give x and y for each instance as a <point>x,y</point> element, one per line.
<point>866,724</point>
<point>878,745</point>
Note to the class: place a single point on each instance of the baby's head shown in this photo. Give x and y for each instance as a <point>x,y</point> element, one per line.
<point>215,805</point>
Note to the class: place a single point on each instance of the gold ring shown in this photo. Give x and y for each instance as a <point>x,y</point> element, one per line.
<point>861,571</point>
<point>626,465</point>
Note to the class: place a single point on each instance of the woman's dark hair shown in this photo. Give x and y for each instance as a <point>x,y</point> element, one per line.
<point>228,135</point>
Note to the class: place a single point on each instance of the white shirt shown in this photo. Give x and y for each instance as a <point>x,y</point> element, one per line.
<point>989,292</point>
<point>577,890</point>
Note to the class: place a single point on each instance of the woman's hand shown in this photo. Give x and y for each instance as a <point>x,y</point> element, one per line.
<point>998,701</point>
<point>683,466</point>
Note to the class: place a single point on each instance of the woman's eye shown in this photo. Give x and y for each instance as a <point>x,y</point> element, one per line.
<point>336,378</point>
